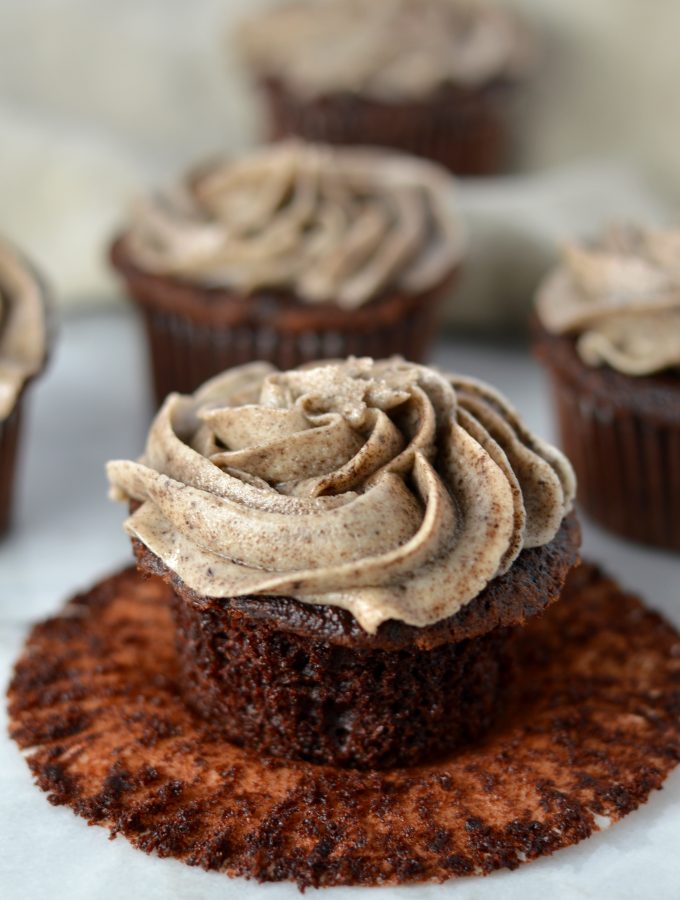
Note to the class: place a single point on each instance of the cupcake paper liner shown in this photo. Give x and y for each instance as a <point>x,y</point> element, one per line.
<point>590,730</point>
<point>465,130</point>
<point>185,353</point>
<point>194,333</point>
<point>622,436</point>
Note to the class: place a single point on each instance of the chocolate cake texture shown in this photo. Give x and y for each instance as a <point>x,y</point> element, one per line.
<point>307,682</point>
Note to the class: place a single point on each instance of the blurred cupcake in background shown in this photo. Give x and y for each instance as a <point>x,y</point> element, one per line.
<point>23,353</point>
<point>294,253</point>
<point>608,332</point>
<point>434,78</point>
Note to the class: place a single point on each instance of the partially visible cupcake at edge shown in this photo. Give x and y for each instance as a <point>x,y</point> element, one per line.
<point>292,253</point>
<point>23,353</point>
<point>435,78</point>
<point>608,333</point>
<point>352,546</point>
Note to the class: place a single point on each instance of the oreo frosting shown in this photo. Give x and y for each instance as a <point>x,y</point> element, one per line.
<point>619,297</point>
<point>323,224</point>
<point>381,487</point>
<point>391,50</point>
<point>23,337</point>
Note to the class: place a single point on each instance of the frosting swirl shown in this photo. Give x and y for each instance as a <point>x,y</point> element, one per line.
<point>23,338</point>
<point>331,225</point>
<point>393,49</point>
<point>621,297</point>
<point>381,487</point>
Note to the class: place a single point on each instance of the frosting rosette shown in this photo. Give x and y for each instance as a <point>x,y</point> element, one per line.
<point>23,333</point>
<point>620,297</point>
<point>381,487</point>
<point>393,49</point>
<point>327,225</point>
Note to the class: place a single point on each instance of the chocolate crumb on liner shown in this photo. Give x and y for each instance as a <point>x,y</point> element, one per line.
<point>590,729</point>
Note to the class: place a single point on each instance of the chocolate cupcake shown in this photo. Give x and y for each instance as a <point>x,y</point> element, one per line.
<point>351,547</point>
<point>434,78</point>
<point>295,253</point>
<point>608,332</point>
<point>23,352</point>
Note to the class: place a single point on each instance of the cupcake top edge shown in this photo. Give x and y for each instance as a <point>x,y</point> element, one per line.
<point>619,296</point>
<point>326,225</point>
<point>385,488</point>
<point>23,326</point>
<point>392,50</point>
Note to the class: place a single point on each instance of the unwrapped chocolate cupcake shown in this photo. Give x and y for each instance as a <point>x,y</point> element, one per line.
<point>608,332</point>
<point>350,545</point>
<point>294,253</point>
<point>434,78</point>
<point>23,352</point>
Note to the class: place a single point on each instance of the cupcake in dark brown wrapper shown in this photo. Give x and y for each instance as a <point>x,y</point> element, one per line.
<point>434,78</point>
<point>351,547</point>
<point>295,253</point>
<point>24,342</point>
<point>608,332</point>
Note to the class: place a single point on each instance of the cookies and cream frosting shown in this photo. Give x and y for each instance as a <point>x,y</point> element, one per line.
<point>329,225</point>
<point>381,487</point>
<point>23,339</point>
<point>391,50</point>
<point>620,297</point>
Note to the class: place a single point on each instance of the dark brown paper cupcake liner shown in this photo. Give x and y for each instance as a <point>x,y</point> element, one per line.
<point>590,730</point>
<point>195,333</point>
<point>9,442</point>
<point>622,435</point>
<point>465,130</point>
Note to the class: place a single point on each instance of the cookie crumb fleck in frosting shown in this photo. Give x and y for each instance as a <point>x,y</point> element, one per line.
<point>381,487</point>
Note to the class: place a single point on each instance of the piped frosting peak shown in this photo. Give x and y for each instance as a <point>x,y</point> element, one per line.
<point>382,487</point>
<point>391,49</point>
<point>620,296</point>
<point>329,225</point>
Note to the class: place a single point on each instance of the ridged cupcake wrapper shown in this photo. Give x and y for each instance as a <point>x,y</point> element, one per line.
<point>466,133</point>
<point>186,352</point>
<point>9,440</point>
<point>627,464</point>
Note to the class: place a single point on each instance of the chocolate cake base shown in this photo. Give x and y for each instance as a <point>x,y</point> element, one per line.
<point>307,682</point>
<point>464,129</point>
<point>195,332</point>
<point>622,435</point>
<point>592,727</point>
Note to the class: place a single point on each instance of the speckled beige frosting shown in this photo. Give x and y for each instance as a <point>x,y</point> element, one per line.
<point>329,225</point>
<point>621,297</point>
<point>23,340</point>
<point>391,49</point>
<point>384,488</point>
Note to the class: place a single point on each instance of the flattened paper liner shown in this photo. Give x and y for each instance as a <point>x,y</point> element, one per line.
<point>593,728</point>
